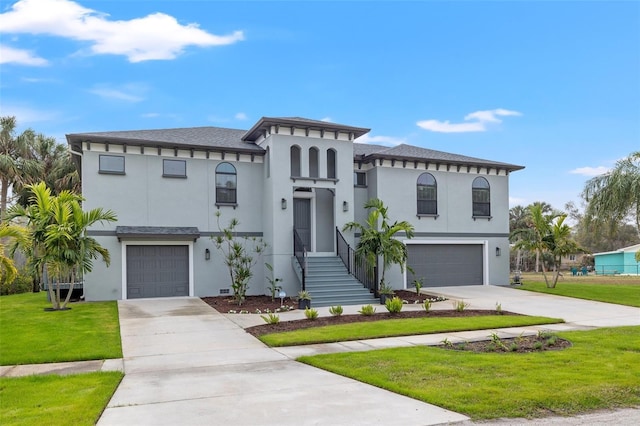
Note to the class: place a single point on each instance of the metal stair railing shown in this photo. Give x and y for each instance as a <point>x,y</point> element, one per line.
<point>300,252</point>
<point>357,266</point>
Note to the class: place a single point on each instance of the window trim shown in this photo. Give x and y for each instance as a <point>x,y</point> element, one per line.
<point>332,157</point>
<point>298,161</point>
<point>314,166</point>
<point>172,175</point>
<point>111,172</point>
<point>235,189</point>
<point>434,200</point>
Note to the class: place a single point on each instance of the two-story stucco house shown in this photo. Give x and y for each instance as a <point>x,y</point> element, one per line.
<point>283,173</point>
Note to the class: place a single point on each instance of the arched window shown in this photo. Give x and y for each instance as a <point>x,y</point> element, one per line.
<point>331,163</point>
<point>226,184</point>
<point>481,197</point>
<point>427,194</point>
<point>313,162</point>
<point>295,160</point>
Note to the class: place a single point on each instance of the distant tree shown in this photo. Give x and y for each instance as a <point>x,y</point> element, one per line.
<point>15,159</point>
<point>615,195</point>
<point>9,232</point>
<point>378,238</point>
<point>519,219</point>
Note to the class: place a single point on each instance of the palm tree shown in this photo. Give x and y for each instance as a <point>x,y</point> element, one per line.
<point>614,195</point>
<point>560,243</point>
<point>518,221</point>
<point>14,158</point>
<point>377,238</point>
<point>8,270</point>
<point>61,248</point>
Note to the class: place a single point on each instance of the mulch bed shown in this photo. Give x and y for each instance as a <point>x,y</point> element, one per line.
<point>253,304</point>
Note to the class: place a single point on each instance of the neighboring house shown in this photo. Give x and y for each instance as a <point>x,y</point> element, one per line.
<point>283,173</point>
<point>621,261</point>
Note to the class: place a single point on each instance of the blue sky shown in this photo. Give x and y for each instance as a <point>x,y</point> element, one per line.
<point>553,86</point>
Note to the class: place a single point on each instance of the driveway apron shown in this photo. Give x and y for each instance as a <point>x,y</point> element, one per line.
<point>186,364</point>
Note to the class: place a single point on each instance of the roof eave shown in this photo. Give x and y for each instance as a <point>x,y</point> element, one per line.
<point>265,122</point>
<point>376,156</point>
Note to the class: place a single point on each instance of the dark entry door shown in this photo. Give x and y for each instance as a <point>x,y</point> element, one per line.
<point>302,220</point>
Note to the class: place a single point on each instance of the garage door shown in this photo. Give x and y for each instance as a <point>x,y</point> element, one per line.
<point>157,271</point>
<point>445,264</point>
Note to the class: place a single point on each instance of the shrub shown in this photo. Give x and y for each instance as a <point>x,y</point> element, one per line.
<point>271,319</point>
<point>336,311</point>
<point>367,310</point>
<point>427,305</point>
<point>460,305</point>
<point>499,308</point>
<point>22,283</point>
<point>417,283</point>
<point>311,314</point>
<point>394,305</point>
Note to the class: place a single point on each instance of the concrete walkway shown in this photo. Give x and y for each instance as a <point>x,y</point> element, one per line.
<point>187,364</point>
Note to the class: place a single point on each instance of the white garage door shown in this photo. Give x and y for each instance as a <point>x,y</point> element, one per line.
<point>442,265</point>
<point>157,271</point>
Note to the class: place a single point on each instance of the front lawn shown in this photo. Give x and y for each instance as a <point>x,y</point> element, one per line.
<point>621,294</point>
<point>61,400</point>
<point>600,371</point>
<point>398,327</point>
<point>29,335</point>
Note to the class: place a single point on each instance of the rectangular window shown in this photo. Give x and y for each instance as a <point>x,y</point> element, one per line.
<point>174,168</point>
<point>111,164</point>
<point>359,179</point>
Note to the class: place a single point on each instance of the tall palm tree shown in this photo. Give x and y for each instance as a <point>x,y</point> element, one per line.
<point>614,195</point>
<point>14,158</point>
<point>62,250</point>
<point>518,221</point>
<point>378,238</point>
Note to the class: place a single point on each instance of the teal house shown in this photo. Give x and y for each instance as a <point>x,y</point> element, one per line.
<point>621,261</point>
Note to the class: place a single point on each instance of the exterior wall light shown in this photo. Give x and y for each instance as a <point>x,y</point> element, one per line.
<point>283,204</point>
<point>345,206</point>
<point>498,251</point>
<point>207,254</point>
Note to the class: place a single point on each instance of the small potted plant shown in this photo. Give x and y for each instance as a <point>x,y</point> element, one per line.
<point>385,292</point>
<point>304,300</point>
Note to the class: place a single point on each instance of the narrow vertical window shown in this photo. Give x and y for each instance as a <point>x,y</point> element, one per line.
<point>427,191</point>
<point>226,184</point>
<point>295,160</point>
<point>313,162</point>
<point>331,163</point>
<point>267,160</point>
<point>481,197</point>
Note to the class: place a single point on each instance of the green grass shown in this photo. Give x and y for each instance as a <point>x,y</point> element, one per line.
<point>29,335</point>
<point>600,371</point>
<point>621,294</point>
<point>398,327</point>
<point>61,400</point>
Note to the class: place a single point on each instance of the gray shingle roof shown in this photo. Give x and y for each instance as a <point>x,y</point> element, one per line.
<point>299,122</point>
<point>366,152</point>
<point>193,137</point>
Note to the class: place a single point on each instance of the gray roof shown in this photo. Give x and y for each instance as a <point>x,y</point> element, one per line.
<point>299,122</point>
<point>155,232</point>
<point>193,137</point>
<point>367,152</point>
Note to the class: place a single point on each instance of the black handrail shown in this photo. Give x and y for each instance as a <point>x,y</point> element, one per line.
<point>357,266</point>
<point>300,252</point>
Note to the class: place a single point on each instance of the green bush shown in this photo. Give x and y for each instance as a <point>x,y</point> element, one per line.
<point>336,311</point>
<point>394,305</point>
<point>367,310</point>
<point>21,284</point>
<point>311,314</point>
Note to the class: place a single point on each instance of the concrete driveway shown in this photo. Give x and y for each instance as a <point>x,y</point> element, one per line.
<point>186,364</point>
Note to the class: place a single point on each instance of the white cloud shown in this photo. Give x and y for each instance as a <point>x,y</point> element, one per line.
<point>128,93</point>
<point>26,115</point>
<point>478,121</point>
<point>150,115</point>
<point>240,116</point>
<point>590,171</point>
<point>155,36</point>
<point>9,55</point>
<point>381,140</point>
<point>327,119</point>
<point>515,201</point>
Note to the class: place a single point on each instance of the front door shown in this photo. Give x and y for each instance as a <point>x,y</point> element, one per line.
<point>302,220</point>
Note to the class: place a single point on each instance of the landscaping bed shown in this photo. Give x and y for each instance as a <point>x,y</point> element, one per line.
<point>263,304</point>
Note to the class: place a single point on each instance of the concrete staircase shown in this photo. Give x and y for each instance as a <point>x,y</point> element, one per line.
<point>330,284</point>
